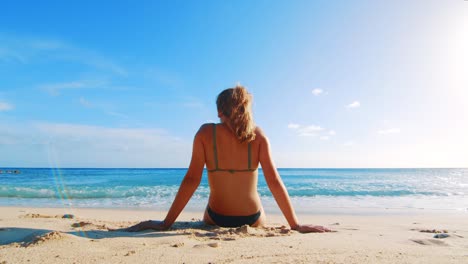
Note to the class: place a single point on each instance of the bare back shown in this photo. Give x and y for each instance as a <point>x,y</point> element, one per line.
<point>232,171</point>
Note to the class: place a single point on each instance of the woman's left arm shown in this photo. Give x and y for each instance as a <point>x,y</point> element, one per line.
<point>187,188</point>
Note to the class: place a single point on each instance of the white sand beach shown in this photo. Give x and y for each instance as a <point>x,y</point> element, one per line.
<point>39,235</point>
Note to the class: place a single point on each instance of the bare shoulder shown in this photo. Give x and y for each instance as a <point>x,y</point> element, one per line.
<point>260,135</point>
<point>204,130</point>
<point>205,127</point>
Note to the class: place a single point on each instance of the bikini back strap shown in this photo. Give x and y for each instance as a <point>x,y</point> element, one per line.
<point>250,155</point>
<point>215,150</point>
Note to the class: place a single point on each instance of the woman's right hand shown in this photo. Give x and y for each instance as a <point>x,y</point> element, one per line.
<point>150,224</point>
<point>311,229</point>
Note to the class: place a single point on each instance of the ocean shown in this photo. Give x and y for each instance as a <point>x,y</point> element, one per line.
<point>311,190</point>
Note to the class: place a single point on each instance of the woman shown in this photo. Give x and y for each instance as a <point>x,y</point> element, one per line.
<point>231,151</point>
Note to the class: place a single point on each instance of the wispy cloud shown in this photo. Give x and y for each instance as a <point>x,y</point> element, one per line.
<point>293,125</point>
<point>164,77</point>
<point>24,50</point>
<point>192,102</point>
<point>92,146</point>
<point>310,131</point>
<point>46,44</point>
<point>331,132</point>
<point>4,106</point>
<point>8,55</point>
<point>85,102</point>
<point>317,92</point>
<point>186,102</point>
<point>97,61</point>
<point>389,131</point>
<point>349,143</point>
<point>116,114</point>
<point>55,89</point>
<point>106,108</point>
<point>354,104</point>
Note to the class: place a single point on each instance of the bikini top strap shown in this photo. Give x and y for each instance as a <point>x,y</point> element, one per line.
<point>215,150</point>
<point>250,155</point>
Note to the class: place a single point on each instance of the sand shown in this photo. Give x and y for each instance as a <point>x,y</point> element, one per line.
<point>44,235</point>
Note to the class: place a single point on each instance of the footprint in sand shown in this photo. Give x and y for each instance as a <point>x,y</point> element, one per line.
<point>39,239</point>
<point>37,216</point>
<point>129,253</point>
<point>89,226</point>
<point>436,231</point>
<point>65,216</point>
<point>213,245</point>
<point>429,242</point>
<point>176,245</point>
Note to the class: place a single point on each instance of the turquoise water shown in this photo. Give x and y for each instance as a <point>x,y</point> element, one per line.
<point>310,189</point>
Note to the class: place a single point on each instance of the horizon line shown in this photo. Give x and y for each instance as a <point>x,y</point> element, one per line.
<point>185,168</point>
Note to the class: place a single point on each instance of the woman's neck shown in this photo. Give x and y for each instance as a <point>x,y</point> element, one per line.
<point>225,123</point>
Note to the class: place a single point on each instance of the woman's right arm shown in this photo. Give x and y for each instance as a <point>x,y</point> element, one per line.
<point>187,188</point>
<point>278,189</point>
<point>275,183</point>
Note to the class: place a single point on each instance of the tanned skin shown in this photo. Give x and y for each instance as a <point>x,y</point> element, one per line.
<point>230,193</point>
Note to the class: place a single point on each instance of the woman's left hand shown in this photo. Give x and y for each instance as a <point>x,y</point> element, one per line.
<point>150,224</point>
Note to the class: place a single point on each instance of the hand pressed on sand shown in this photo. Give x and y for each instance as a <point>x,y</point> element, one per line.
<point>145,225</point>
<point>311,229</point>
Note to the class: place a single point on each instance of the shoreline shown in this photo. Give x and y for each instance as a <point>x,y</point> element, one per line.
<point>33,235</point>
<point>272,208</point>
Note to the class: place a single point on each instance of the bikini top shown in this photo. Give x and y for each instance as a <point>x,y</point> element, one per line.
<point>215,153</point>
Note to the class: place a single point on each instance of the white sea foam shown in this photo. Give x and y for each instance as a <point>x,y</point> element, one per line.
<point>310,189</point>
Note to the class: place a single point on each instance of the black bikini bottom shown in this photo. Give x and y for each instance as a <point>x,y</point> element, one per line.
<point>232,221</point>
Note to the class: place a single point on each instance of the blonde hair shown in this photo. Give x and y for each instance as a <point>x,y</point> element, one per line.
<point>236,104</point>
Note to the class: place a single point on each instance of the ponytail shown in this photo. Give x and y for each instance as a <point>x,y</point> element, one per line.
<point>236,105</point>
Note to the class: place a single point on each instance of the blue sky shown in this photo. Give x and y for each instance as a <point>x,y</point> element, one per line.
<point>335,83</point>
